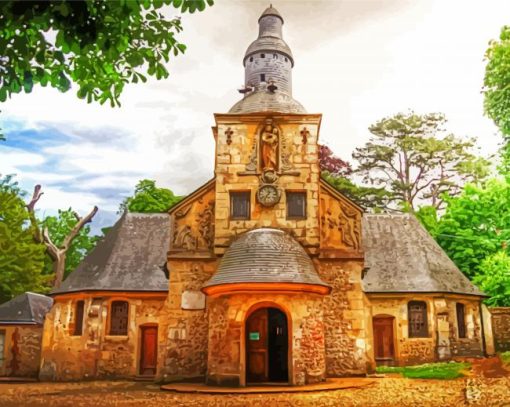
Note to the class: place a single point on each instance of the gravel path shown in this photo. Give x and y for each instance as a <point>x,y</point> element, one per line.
<point>384,392</point>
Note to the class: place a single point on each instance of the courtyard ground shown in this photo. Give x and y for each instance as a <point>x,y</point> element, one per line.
<point>487,385</point>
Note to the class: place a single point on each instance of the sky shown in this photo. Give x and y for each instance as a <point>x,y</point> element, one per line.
<point>356,62</point>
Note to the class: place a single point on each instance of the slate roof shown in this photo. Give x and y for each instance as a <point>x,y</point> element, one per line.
<point>265,256</point>
<point>28,308</point>
<point>271,11</point>
<point>403,257</point>
<point>264,101</point>
<point>131,257</point>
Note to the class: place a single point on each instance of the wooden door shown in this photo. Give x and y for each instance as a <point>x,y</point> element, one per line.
<point>256,347</point>
<point>149,350</point>
<point>383,338</point>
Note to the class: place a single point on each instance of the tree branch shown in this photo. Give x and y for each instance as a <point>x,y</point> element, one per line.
<point>52,249</point>
<point>76,229</point>
<point>31,213</point>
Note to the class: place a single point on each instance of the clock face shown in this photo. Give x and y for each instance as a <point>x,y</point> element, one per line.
<point>268,195</point>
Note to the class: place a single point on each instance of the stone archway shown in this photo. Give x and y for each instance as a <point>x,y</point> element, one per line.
<point>267,345</point>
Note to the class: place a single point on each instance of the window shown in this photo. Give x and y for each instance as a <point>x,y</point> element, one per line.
<point>461,320</point>
<point>119,318</point>
<point>286,60</point>
<point>296,205</point>
<point>240,205</point>
<point>262,55</point>
<point>251,59</point>
<point>417,314</point>
<point>262,77</point>
<point>78,318</point>
<point>275,56</point>
<point>2,347</point>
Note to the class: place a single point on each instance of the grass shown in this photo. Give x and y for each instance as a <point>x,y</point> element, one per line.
<point>505,358</point>
<point>442,371</point>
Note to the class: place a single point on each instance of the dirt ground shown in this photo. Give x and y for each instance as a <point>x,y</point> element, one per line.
<point>489,385</point>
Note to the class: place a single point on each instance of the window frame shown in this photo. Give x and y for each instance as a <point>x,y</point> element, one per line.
<point>111,331</point>
<point>461,327</point>
<point>295,192</point>
<point>79,304</point>
<point>232,194</point>
<point>424,330</point>
<point>3,333</point>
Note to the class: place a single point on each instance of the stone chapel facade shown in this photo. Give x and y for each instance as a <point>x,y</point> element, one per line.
<point>266,272</point>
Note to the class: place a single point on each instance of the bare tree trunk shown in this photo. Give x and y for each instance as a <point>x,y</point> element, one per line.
<point>59,267</point>
<point>57,254</point>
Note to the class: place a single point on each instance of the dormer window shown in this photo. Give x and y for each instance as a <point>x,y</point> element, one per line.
<point>262,77</point>
<point>262,55</point>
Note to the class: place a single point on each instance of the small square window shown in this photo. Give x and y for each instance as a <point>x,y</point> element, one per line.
<point>296,205</point>
<point>262,55</point>
<point>240,205</point>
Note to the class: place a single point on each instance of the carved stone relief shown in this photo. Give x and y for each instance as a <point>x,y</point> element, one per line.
<point>194,224</point>
<point>269,139</point>
<point>340,223</point>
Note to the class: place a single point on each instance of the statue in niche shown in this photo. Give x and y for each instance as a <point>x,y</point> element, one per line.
<point>269,153</point>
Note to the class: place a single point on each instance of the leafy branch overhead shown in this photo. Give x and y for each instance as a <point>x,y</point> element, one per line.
<point>99,45</point>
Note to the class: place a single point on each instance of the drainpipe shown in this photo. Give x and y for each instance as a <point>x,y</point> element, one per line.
<point>484,345</point>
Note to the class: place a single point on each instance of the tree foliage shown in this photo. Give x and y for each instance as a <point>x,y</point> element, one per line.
<point>370,198</point>
<point>415,160</point>
<point>497,81</point>
<point>21,257</point>
<point>333,164</point>
<point>494,279</point>
<point>99,45</point>
<point>148,198</point>
<point>475,225</point>
<point>59,227</point>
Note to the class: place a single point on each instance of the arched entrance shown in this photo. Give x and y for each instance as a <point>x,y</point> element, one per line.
<point>384,346</point>
<point>267,346</point>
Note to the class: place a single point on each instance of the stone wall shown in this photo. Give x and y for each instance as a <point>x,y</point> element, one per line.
<point>346,318</point>
<point>227,352</point>
<point>96,354</point>
<point>501,328</point>
<point>442,342</point>
<point>22,350</point>
<point>185,331</point>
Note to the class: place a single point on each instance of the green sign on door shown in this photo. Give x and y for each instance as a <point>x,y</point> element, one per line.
<point>254,336</point>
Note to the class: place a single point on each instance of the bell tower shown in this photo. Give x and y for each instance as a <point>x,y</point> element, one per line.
<point>267,166</point>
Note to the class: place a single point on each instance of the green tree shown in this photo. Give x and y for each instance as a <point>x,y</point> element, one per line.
<point>371,198</point>
<point>415,160</point>
<point>59,228</point>
<point>148,198</point>
<point>497,81</point>
<point>475,225</point>
<point>99,45</point>
<point>21,257</point>
<point>494,279</point>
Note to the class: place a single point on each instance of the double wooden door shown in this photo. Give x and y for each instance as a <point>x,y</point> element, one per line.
<point>267,346</point>
<point>383,338</point>
<point>149,350</point>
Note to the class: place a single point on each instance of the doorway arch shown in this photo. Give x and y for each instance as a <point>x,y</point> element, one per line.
<point>267,345</point>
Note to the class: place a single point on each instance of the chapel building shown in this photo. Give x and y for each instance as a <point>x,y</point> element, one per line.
<point>264,274</point>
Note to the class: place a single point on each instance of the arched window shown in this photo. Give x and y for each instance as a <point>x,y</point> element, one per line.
<point>417,315</point>
<point>119,318</point>
<point>461,319</point>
